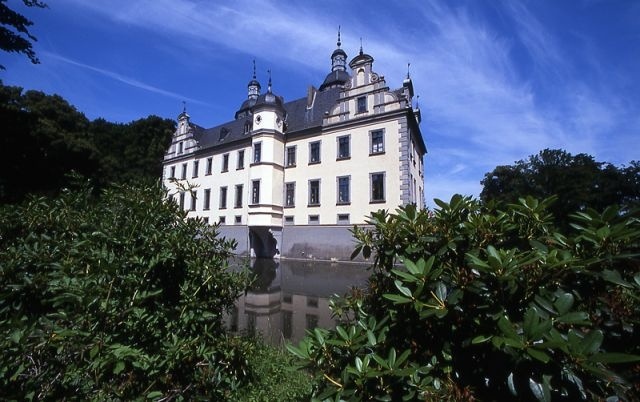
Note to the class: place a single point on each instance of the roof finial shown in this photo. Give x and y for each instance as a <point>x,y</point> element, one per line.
<point>339,42</point>
<point>408,71</point>
<point>254,69</point>
<point>184,107</point>
<point>269,85</point>
<point>361,46</point>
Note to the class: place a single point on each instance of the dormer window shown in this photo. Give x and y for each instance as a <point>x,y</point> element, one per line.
<point>223,133</point>
<point>180,147</point>
<point>247,127</point>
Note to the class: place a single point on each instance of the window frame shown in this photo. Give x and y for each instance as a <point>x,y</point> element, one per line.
<point>339,155</point>
<point>339,193</point>
<point>379,147</point>
<point>223,197</point>
<point>240,162</point>
<point>183,175</point>
<point>206,201</point>
<point>257,152</point>
<point>361,104</point>
<point>196,165</point>
<point>291,204</point>
<point>255,192</point>
<point>311,152</point>
<point>238,196</point>
<point>290,162</point>
<point>372,199</point>
<point>311,193</point>
<point>225,163</point>
<point>194,199</point>
<point>209,167</point>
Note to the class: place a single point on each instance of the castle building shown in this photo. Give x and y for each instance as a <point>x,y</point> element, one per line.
<point>291,178</point>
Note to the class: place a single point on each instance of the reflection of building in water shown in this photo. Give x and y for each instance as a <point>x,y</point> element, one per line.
<point>291,297</point>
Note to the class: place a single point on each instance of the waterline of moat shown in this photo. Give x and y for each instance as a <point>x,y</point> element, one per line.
<point>290,296</point>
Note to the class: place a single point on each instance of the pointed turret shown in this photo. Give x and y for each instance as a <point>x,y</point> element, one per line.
<point>253,92</point>
<point>338,75</point>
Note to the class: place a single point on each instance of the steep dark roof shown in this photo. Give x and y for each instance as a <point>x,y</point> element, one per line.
<point>337,77</point>
<point>299,117</point>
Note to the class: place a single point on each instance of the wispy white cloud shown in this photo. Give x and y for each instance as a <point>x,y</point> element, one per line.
<point>481,107</point>
<point>123,79</point>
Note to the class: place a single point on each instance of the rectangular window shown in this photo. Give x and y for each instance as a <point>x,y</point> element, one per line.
<point>238,219</point>
<point>173,172</point>
<point>377,187</point>
<point>225,162</point>
<point>343,190</point>
<point>362,104</point>
<point>193,200</point>
<point>180,147</point>
<point>344,149</point>
<point>314,152</point>
<point>209,166</point>
<point>291,156</point>
<point>182,200</point>
<point>238,203</point>
<point>343,219</point>
<point>288,220</point>
<point>207,199</point>
<point>290,195</point>
<point>240,160</point>
<point>257,152</point>
<point>195,168</point>
<point>312,321</point>
<point>223,197</point>
<point>314,219</point>
<point>312,301</point>
<point>255,192</point>
<point>184,171</point>
<point>377,142</point>
<point>314,192</point>
<point>222,220</point>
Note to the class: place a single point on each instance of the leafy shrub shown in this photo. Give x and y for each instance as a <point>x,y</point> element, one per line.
<point>490,303</point>
<point>115,297</point>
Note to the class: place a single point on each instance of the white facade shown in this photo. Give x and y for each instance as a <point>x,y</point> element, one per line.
<point>328,159</point>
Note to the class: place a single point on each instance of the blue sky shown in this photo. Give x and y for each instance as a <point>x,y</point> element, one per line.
<point>497,80</point>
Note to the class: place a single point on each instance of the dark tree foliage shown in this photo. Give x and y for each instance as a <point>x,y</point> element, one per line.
<point>14,30</point>
<point>45,138</point>
<point>579,181</point>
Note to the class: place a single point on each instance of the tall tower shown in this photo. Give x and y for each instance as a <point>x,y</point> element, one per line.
<point>266,175</point>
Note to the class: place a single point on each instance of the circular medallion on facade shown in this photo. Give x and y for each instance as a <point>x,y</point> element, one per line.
<point>374,77</point>
<point>347,84</point>
<point>258,119</point>
<point>278,122</point>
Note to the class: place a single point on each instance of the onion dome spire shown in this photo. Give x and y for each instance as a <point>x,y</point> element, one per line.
<point>254,85</point>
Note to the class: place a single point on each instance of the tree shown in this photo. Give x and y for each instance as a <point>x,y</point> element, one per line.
<point>487,302</point>
<point>14,32</point>
<point>115,296</point>
<point>578,180</point>
<point>46,138</point>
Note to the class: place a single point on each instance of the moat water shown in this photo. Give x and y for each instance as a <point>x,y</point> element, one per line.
<point>292,296</point>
